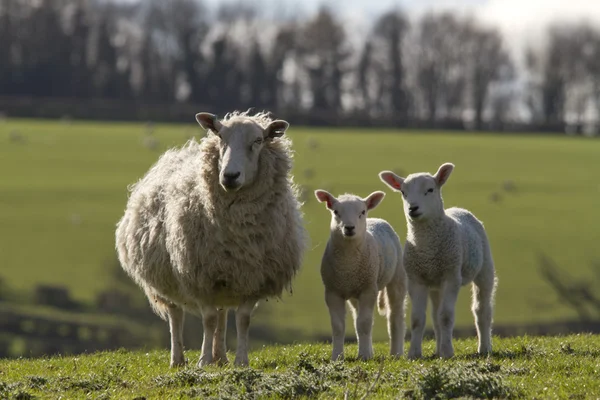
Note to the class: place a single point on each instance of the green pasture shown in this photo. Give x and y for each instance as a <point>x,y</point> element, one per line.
<point>523,367</point>
<point>63,188</point>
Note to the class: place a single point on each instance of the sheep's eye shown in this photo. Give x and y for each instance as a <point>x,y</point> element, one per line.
<point>335,212</point>
<point>364,212</point>
<point>403,194</point>
<point>258,141</point>
<point>429,191</point>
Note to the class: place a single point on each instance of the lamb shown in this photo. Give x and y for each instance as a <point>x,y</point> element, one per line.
<point>215,225</point>
<point>362,264</point>
<point>444,250</point>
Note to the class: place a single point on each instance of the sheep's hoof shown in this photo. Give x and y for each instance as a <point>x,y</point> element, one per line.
<point>220,360</point>
<point>241,362</point>
<point>414,355</point>
<point>204,362</point>
<point>176,363</point>
<point>365,357</point>
<point>337,357</point>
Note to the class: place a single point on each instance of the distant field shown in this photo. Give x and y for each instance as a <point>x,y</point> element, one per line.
<point>64,188</point>
<point>523,367</point>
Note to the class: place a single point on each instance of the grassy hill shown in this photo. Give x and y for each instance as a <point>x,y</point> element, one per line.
<point>63,189</point>
<point>550,368</point>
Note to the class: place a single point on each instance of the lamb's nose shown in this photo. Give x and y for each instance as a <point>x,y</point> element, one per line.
<point>412,209</point>
<point>349,230</point>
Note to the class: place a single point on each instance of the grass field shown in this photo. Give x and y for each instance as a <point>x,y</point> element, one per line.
<point>549,368</point>
<point>64,188</point>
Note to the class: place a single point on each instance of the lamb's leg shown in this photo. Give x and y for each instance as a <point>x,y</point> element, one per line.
<point>449,295</point>
<point>435,297</point>
<point>396,294</point>
<point>242,322</point>
<point>219,346</point>
<point>364,324</point>
<point>418,299</point>
<point>337,314</point>
<point>209,323</point>
<point>482,307</point>
<point>176,318</point>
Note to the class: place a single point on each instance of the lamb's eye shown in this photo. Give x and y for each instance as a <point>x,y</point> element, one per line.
<point>403,194</point>
<point>258,141</point>
<point>429,191</point>
<point>335,212</point>
<point>364,212</point>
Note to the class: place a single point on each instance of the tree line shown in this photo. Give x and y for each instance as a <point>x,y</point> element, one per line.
<point>441,67</point>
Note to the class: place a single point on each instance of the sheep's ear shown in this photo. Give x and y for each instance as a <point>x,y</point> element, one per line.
<point>374,199</point>
<point>442,174</point>
<point>325,197</point>
<point>209,121</point>
<point>275,129</point>
<point>392,180</point>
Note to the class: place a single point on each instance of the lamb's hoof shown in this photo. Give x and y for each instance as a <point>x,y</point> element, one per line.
<point>337,357</point>
<point>365,357</point>
<point>414,355</point>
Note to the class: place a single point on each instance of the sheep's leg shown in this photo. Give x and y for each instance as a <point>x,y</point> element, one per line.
<point>337,314</point>
<point>242,322</point>
<point>209,323</point>
<point>364,324</point>
<point>435,295</point>
<point>482,307</point>
<point>396,294</point>
<point>449,295</point>
<point>219,346</point>
<point>176,318</point>
<point>418,299</point>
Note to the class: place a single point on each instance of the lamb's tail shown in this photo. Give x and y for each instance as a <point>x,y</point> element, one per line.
<point>382,304</point>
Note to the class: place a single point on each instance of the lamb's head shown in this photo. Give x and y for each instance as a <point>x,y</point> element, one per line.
<point>349,212</point>
<point>421,192</point>
<point>241,141</point>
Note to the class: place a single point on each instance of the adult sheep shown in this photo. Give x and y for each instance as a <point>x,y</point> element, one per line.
<point>215,225</point>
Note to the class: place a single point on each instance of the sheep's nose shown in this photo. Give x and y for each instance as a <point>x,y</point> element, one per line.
<point>412,209</point>
<point>348,230</point>
<point>230,179</point>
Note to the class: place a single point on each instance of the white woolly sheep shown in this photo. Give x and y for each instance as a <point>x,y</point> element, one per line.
<point>215,225</point>
<point>444,250</point>
<point>362,264</point>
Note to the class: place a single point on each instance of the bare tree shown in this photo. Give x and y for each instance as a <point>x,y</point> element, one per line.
<point>324,52</point>
<point>486,62</point>
<point>441,73</point>
<point>388,35</point>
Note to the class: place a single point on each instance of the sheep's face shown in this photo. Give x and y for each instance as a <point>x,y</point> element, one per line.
<point>421,192</point>
<point>349,212</point>
<point>240,146</point>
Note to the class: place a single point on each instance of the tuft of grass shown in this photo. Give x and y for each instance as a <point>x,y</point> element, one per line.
<point>565,367</point>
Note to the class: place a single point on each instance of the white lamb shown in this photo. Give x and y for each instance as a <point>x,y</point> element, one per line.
<point>215,225</point>
<point>444,250</point>
<point>362,264</point>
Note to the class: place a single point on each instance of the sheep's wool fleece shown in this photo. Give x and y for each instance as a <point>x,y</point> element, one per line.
<point>186,240</point>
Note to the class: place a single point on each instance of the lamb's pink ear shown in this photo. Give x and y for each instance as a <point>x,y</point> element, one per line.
<point>209,121</point>
<point>275,129</point>
<point>374,199</point>
<point>392,180</point>
<point>325,197</point>
<point>443,173</point>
